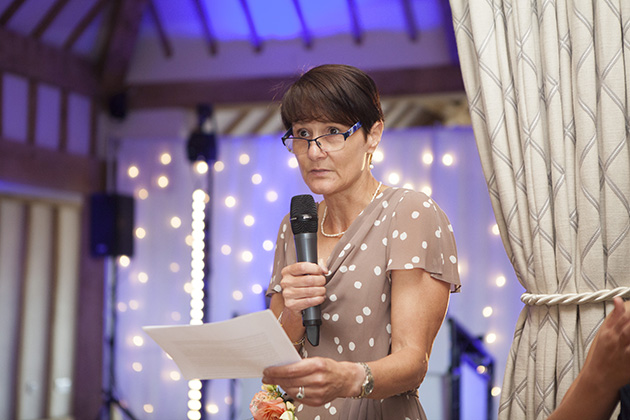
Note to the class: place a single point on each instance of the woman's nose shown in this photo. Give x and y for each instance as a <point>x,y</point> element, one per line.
<point>315,151</point>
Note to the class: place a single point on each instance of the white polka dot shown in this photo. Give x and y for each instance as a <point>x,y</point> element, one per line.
<point>426,204</point>
<point>359,319</point>
<point>335,317</point>
<point>326,316</point>
<point>300,407</point>
<point>342,253</point>
<point>408,266</point>
<point>450,227</point>
<point>389,262</point>
<point>453,259</point>
<point>343,268</point>
<point>358,284</point>
<point>336,340</point>
<point>385,241</point>
<point>284,227</point>
<point>377,270</point>
<point>327,405</point>
<point>415,260</point>
<point>394,214</point>
<point>277,288</point>
<point>347,247</point>
<point>332,298</point>
<point>363,247</point>
<point>380,195</point>
<point>371,342</point>
<point>340,349</point>
<point>282,236</point>
<point>384,217</point>
<point>367,311</point>
<point>317,418</point>
<point>395,234</point>
<point>383,297</point>
<point>377,222</point>
<point>389,328</point>
<point>351,346</point>
<point>403,236</point>
<point>333,411</point>
<point>385,204</point>
<point>424,244</point>
<point>352,267</point>
<point>438,233</point>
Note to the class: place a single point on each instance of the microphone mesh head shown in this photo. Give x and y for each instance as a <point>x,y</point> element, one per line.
<point>303,214</point>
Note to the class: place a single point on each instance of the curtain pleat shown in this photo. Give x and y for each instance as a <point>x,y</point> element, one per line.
<point>547,85</point>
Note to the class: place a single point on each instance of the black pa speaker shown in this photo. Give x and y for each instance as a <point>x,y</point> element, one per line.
<point>111,225</point>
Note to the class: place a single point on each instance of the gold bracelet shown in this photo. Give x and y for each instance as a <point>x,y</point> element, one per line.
<point>300,341</point>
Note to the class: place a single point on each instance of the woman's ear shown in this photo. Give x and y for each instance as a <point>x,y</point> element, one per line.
<point>374,137</point>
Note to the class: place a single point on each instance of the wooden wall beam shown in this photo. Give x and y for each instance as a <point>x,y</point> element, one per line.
<point>42,63</point>
<point>414,81</point>
<point>50,168</point>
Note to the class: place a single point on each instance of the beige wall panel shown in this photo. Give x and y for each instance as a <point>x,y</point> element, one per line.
<point>65,311</point>
<point>32,384</point>
<point>11,224</point>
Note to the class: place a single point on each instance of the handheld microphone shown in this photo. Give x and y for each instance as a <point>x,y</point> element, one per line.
<point>303,218</point>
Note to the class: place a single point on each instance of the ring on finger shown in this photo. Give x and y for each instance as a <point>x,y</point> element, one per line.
<point>300,393</point>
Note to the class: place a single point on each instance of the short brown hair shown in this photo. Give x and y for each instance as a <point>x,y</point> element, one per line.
<point>333,92</point>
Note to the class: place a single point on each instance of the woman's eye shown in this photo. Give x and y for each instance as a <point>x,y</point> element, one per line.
<point>302,133</point>
<point>334,130</point>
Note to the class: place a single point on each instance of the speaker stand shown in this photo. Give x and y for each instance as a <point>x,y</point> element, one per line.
<point>110,400</point>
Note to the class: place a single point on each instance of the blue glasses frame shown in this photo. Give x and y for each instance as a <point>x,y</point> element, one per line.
<point>345,135</point>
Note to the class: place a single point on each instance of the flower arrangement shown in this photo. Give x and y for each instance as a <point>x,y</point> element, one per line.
<point>272,404</point>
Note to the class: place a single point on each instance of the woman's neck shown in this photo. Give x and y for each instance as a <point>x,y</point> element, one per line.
<point>342,208</point>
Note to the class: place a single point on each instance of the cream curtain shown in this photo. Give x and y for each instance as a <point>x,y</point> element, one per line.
<point>548,87</point>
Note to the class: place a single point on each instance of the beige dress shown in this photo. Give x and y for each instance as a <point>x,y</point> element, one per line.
<point>400,230</point>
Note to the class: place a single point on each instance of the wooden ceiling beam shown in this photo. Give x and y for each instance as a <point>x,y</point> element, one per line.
<point>85,21</point>
<point>355,25</point>
<point>10,11</point>
<point>306,34</point>
<point>410,20</point>
<point>164,41</point>
<point>208,34</point>
<point>43,63</point>
<point>124,28</point>
<point>253,34</point>
<point>48,18</point>
<point>411,81</point>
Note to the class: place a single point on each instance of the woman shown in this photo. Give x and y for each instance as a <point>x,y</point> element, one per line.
<point>604,380</point>
<point>387,262</point>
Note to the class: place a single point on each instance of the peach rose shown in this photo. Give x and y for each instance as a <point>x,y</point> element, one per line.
<point>268,409</point>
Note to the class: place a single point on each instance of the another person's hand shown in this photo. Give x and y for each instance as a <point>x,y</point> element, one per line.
<point>320,380</point>
<point>609,356</point>
<point>303,286</point>
<point>595,392</point>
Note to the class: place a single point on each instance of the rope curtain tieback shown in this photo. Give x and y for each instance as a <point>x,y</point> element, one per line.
<point>574,298</point>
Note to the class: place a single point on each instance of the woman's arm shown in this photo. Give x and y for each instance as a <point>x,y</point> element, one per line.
<point>595,392</point>
<point>419,305</point>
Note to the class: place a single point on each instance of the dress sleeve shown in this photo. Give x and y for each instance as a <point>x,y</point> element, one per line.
<point>421,236</point>
<point>280,257</point>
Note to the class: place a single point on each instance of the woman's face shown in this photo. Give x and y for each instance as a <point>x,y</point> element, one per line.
<point>336,171</point>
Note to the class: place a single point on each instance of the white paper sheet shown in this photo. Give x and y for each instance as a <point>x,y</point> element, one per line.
<point>237,348</point>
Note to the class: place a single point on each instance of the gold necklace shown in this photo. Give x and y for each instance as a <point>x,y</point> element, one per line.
<point>336,235</point>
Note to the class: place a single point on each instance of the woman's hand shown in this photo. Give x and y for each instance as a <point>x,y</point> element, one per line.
<point>320,380</point>
<point>303,286</point>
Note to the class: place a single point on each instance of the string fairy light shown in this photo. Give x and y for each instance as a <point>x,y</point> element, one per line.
<point>197,285</point>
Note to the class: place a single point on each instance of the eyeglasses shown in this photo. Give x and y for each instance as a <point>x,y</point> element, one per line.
<point>325,142</point>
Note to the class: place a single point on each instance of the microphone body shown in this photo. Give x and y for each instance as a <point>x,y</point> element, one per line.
<point>304,225</point>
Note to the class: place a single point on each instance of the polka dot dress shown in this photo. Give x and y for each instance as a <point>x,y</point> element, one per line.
<point>400,230</point>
